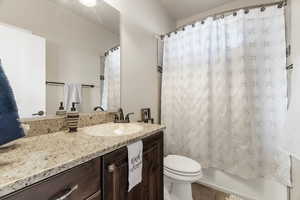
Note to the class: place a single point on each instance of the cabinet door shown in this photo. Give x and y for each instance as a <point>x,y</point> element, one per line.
<point>153,169</point>
<point>115,173</point>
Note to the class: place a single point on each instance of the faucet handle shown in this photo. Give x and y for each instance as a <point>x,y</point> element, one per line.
<point>116,116</point>
<point>127,116</point>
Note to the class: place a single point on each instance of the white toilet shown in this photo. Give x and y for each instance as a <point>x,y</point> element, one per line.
<point>179,174</point>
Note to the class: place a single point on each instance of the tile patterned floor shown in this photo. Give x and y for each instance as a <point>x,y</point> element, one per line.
<point>201,192</point>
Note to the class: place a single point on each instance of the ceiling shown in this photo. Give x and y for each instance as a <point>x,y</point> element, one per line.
<point>102,14</point>
<point>180,9</point>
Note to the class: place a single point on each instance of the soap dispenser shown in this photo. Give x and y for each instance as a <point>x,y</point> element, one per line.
<point>61,111</point>
<point>73,119</point>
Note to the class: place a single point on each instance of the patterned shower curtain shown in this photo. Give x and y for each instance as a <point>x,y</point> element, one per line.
<point>111,96</point>
<point>224,94</point>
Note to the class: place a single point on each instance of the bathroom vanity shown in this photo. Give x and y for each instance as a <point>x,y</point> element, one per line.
<point>79,166</point>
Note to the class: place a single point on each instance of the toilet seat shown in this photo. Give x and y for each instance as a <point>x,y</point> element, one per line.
<point>181,168</point>
<point>182,173</point>
<point>182,164</point>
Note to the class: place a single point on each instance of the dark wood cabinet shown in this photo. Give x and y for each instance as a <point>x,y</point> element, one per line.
<point>115,173</point>
<point>104,178</point>
<point>96,196</point>
<point>79,183</point>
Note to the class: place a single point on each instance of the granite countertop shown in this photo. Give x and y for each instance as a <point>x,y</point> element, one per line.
<point>33,159</point>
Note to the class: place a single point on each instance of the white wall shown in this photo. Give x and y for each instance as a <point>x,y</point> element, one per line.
<point>292,128</point>
<point>73,49</point>
<point>251,189</point>
<point>293,139</point>
<point>24,61</point>
<point>140,21</point>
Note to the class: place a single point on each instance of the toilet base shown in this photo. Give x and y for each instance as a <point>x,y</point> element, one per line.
<point>178,190</point>
<point>181,191</point>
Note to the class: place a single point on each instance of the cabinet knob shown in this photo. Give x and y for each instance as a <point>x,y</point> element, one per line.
<point>111,168</point>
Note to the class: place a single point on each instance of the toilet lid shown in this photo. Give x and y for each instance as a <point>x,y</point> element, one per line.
<point>182,164</point>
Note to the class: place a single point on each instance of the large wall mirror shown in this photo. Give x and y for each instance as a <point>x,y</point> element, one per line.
<point>61,51</point>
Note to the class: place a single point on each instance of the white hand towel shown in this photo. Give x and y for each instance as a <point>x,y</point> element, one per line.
<point>135,164</point>
<point>72,93</point>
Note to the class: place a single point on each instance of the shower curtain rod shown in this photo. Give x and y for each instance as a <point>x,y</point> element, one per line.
<point>222,14</point>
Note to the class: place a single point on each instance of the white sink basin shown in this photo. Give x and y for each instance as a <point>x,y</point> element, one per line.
<point>112,129</point>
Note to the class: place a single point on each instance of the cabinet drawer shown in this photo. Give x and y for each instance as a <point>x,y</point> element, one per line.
<point>78,183</point>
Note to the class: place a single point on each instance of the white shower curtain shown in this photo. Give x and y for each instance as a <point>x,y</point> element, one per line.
<point>111,97</point>
<point>224,94</point>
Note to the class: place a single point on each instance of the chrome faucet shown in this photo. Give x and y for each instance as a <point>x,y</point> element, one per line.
<point>119,117</point>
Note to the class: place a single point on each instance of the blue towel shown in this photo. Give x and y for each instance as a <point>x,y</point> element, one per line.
<point>10,126</point>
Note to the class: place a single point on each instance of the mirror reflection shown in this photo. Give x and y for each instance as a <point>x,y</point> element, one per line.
<point>59,53</point>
